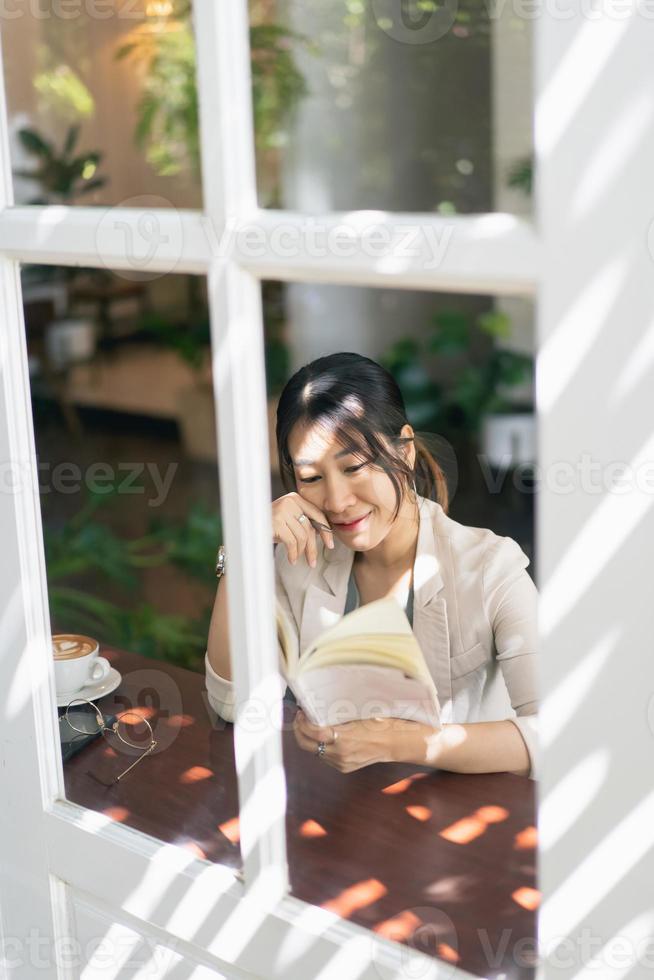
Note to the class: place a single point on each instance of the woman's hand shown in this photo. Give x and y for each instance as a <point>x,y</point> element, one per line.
<point>361,743</point>
<point>299,536</point>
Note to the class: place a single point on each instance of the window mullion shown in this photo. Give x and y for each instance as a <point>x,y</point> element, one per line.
<point>170,241</point>
<point>227,145</point>
<point>475,253</point>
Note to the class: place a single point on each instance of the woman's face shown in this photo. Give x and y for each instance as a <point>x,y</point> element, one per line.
<point>345,487</point>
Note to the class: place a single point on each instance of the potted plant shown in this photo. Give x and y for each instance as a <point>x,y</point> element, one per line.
<point>63,175</point>
<point>168,124</point>
<point>477,400</point>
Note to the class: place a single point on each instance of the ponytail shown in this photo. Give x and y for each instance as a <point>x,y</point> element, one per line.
<point>429,477</point>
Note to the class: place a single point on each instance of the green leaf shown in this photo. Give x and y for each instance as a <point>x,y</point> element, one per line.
<point>193,543</point>
<point>148,109</point>
<point>521,175</point>
<point>71,140</point>
<point>126,49</point>
<point>60,176</point>
<point>36,144</point>
<point>83,546</point>
<point>76,611</point>
<point>451,333</point>
<point>495,323</point>
<point>402,353</point>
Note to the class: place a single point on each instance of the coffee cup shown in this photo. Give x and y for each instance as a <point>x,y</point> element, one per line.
<point>76,663</point>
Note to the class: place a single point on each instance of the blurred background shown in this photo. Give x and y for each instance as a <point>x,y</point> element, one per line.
<point>348,114</point>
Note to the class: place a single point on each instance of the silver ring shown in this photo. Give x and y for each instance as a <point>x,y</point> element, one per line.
<point>302,517</point>
<point>320,751</point>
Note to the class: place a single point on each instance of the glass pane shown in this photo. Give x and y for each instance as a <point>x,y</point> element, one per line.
<point>124,421</point>
<point>459,359</point>
<point>102,103</point>
<point>407,107</point>
<point>438,606</point>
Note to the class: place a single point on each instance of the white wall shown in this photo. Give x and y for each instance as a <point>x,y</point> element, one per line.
<point>595,137</point>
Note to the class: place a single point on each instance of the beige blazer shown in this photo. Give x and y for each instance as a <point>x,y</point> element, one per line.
<point>474,616</point>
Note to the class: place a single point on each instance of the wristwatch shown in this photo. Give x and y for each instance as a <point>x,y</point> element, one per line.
<point>220,562</point>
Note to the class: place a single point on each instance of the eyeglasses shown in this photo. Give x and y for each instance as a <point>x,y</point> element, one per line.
<point>118,728</point>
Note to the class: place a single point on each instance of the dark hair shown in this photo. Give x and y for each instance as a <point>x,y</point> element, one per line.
<point>358,400</point>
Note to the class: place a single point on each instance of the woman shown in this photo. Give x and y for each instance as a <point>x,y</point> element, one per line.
<point>352,463</point>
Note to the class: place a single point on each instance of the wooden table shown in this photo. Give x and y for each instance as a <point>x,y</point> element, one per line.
<point>441,861</point>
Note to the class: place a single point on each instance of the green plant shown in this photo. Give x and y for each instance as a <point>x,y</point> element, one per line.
<point>64,175</point>
<point>521,175</point>
<point>422,396</point>
<point>480,374</point>
<point>189,340</point>
<point>168,123</point>
<point>277,365</point>
<point>276,352</point>
<point>277,85</point>
<point>87,549</point>
<point>190,544</point>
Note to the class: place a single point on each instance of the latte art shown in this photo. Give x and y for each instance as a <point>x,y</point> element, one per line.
<point>70,646</point>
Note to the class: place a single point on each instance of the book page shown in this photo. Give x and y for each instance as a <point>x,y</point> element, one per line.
<point>378,632</point>
<point>335,695</point>
<point>288,646</point>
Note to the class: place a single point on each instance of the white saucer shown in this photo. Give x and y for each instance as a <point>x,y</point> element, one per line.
<point>95,690</point>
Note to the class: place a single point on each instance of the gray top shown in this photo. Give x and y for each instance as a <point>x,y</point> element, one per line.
<point>353,599</point>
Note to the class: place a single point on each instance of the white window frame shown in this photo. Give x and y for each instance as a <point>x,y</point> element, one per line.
<point>161,888</point>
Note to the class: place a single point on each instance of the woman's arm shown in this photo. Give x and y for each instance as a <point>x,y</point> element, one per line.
<point>510,745</point>
<point>220,689</point>
<point>218,669</point>
<point>483,746</point>
<point>218,640</point>
<point>511,604</point>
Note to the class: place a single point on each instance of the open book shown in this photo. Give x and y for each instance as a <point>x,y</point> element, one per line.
<point>369,664</point>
